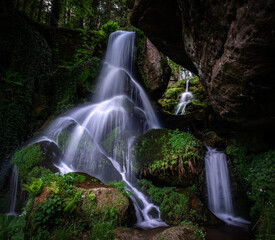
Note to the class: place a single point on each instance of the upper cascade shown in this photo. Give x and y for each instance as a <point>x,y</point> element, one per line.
<point>96,138</point>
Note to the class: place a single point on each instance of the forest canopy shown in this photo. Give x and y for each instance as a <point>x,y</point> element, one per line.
<point>85,14</point>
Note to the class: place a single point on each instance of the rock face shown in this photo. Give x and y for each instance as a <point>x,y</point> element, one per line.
<point>152,66</point>
<point>229,44</point>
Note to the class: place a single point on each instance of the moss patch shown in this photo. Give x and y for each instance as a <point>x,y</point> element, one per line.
<point>256,177</point>
<point>176,205</point>
<point>169,157</point>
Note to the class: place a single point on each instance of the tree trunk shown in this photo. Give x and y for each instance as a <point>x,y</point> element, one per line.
<point>109,10</point>
<point>40,10</point>
<point>55,13</point>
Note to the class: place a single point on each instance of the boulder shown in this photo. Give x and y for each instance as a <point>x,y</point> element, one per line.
<point>169,158</point>
<point>152,67</point>
<point>182,232</point>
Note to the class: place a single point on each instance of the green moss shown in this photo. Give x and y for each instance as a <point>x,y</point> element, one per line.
<point>175,206</point>
<point>27,158</point>
<point>164,149</point>
<point>172,95</point>
<point>256,177</point>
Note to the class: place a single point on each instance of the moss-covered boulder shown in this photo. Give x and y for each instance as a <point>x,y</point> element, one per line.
<point>43,154</point>
<point>177,205</point>
<point>182,232</point>
<point>169,158</point>
<point>79,200</point>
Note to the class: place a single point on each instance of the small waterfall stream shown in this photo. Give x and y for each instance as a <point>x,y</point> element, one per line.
<point>96,138</point>
<point>218,188</point>
<point>185,98</point>
<point>13,187</point>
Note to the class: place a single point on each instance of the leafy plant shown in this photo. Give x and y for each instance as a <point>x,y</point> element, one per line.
<point>11,227</point>
<point>35,187</point>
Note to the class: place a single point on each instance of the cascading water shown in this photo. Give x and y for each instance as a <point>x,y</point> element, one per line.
<point>13,187</point>
<point>185,98</point>
<point>96,138</point>
<point>218,188</point>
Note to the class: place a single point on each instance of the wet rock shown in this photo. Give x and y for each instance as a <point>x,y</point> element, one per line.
<point>153,67</point>
<point>183,232</point>
<point>230,45</point>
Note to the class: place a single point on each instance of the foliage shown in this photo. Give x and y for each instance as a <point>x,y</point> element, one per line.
<point>11,227</point>
<point>27,158</point>
<point>175,206</point>
<point>109,27</point>
<point>62,202</point>
<point>256,175</point>
<point>35,187</point>
<point>121,186</point>
<point>173,150</point>
<point>85,14</point>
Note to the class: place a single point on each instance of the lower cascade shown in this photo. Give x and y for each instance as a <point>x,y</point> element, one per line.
<point>96,138</point>
<point>218,188</point>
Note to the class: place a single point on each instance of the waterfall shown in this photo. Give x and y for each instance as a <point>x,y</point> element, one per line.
<point>185,98</point>
<point>218,188</point>
<point>13,187</point>
<point>96,138</point>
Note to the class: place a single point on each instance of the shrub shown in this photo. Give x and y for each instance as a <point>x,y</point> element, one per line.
<point>27,158</point>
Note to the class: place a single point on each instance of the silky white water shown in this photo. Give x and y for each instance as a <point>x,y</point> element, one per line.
<point>96,138</point>
<point>13,188</point>
<point>218,188</point>
<point>185,98</point>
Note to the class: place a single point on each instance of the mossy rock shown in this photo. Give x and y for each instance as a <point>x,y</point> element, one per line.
<point>177,205</point>
<point>169,158</point>
<point>183,232</point>
<point>78,199</point>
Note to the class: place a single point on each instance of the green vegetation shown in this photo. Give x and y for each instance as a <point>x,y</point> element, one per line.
<point>121,186</point>
<point>175,206</point>
<point>27,158</point>
<point>256,176</point>
<point>57,200</point>
<point>171,96</point>
<point>11,227</point>
<point>85,14</point>
<point>166,152</point>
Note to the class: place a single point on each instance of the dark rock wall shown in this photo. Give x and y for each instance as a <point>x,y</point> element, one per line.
<point>230,44</point>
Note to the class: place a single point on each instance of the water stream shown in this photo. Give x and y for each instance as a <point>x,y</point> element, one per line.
<point>96,138</point>
<point>13,188</point>
<point>218,188</point>
<point>185,98</point>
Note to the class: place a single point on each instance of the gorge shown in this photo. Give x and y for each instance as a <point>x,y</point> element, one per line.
<point>91,145</point>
